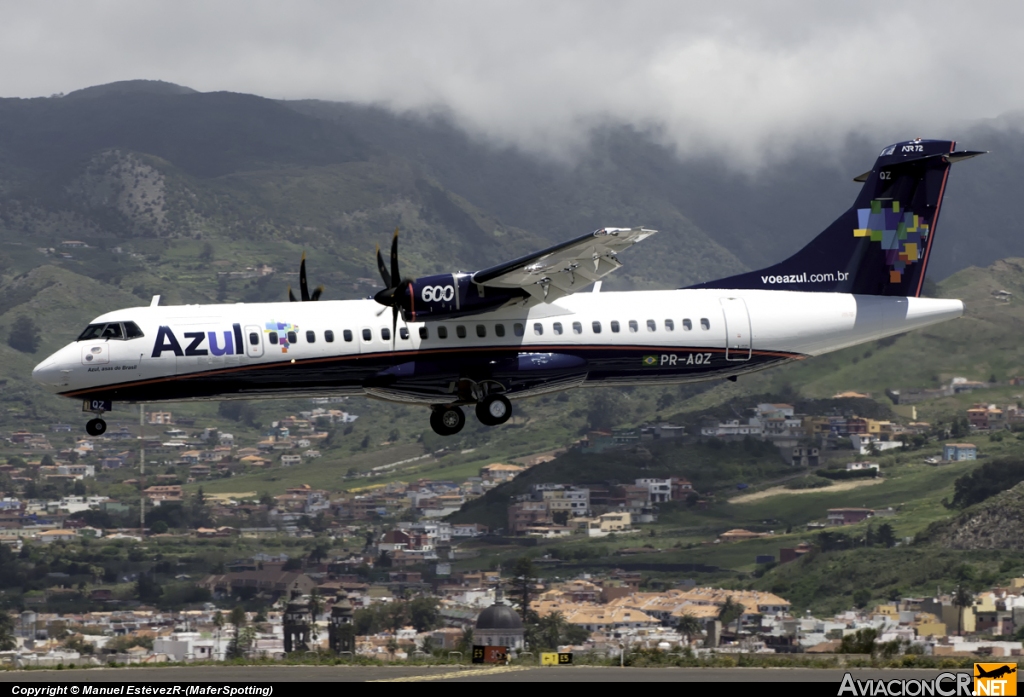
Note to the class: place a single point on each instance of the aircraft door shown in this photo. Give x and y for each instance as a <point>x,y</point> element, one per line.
<point>253,339</point>
<point>737,329</point>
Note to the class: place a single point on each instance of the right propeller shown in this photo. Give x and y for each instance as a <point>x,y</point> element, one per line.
<point>396,292</point>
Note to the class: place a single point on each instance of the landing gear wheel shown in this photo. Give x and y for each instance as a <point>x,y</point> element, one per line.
<point>96,427</point>
<point>494,410</point>
<point>447,421</point>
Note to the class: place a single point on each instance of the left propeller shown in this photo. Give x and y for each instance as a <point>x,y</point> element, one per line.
<point>304,287</point>
<point>396,292</point>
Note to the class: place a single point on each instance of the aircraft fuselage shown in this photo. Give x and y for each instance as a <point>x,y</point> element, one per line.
<point>344,347</point>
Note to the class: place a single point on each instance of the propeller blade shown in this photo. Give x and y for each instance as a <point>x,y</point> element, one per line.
<point>303,286</point>
<point>317,292</point>
<point>385,276</point>
<point>394,324</point>
<point>394,259</point>
<point>291,295</point>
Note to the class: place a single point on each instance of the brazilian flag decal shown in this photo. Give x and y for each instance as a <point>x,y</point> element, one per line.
<point>650,361</point>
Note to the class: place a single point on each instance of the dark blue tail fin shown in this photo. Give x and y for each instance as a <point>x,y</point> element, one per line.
<point>879,246</point>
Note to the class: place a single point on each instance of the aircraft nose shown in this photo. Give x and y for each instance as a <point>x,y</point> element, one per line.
<point>47,373</point>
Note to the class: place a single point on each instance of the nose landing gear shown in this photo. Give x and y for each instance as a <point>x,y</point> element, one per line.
<point>97,426</point>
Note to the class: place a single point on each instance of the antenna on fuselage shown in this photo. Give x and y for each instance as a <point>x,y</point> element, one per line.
<point>155,301</point>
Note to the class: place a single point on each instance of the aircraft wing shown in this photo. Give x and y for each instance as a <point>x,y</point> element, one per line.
<point>565,268</point>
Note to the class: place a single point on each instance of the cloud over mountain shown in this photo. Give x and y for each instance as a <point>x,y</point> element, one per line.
<point>746,79</point>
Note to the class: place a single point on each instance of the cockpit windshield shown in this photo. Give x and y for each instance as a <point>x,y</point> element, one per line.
<point>111,330</point>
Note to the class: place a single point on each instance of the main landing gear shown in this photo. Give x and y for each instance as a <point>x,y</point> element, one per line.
<point>492,410</point>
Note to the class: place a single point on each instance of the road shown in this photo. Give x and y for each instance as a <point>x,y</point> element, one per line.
<point>257,675</point>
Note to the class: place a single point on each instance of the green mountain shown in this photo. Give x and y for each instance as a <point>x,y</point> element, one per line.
<point>182,194</point>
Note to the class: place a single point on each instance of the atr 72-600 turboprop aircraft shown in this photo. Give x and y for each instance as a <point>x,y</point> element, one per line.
<point>522,328</point>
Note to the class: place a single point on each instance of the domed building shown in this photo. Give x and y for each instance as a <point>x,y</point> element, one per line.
<point>499,625</point>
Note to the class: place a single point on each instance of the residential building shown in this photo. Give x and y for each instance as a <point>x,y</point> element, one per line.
<point>658,490</point>
<point>959,452</point>
<point>806,457</point>
<point>848,516</point>
<point>523,514</point>
<point>57,536</point>
<point>158,494</point>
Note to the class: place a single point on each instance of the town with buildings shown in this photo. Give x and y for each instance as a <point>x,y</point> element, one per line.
<point>402,549</point>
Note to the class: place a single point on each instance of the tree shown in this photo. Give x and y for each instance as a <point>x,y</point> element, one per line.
<point>861,641</point>
<point>423,614</point>
<point>886,537</point>
<point>465,642</point>
<point>605,409</point>
<point>218,624</point>
<point>861,597</point>
<point>962,599</point>
<point>147,588</point>
<point>7,642</point>
<point>523,577</point>
<point>237,619</point>
<point>396,614</point>
<point>552,629</point>
<point>384,560</point>
<point>316,608</point>
<point>730,611</point>
<point>24,335</point>
<point>158,528</point>
<point>689,625</point>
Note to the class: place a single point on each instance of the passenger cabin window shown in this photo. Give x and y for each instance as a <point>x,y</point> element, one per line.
<point>424,334</point>
<point>596,326</point>
<point>442,332</point>
<point>273,337</point>
<point>385,334</point>
<point>557,328</point>
<point>538,328</point>
<point>347,335</point>
<point>499,330</point>
<point>670,326</point>
<point>329,336</point>
<point>633,326</point>
<point>403,333</point>
<point>367,335</point>
<point>687,325</point>
<point>577,328</point>
<point>310,336</point>
<point>615,326</point>
<point>652,325</point>
<point>293,338</point>
<point>481,331</point>
<point>518,329</point>
<point>254,339</point>
<point>705,324</point>
<point>460,331</point>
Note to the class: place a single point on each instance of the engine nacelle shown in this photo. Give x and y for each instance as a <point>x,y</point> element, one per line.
<point>446,296</point>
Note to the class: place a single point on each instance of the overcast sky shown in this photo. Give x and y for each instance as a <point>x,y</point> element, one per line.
<point>744,78</point>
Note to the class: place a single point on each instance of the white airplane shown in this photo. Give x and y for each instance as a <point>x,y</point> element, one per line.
<point>522,328</point>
